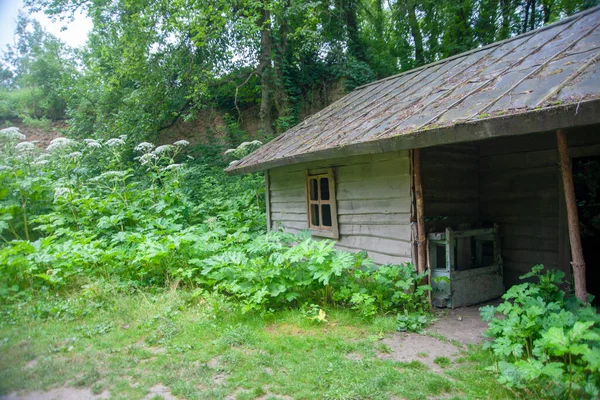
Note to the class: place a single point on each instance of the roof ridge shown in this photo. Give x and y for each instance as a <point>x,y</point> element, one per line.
<point>487,46</point>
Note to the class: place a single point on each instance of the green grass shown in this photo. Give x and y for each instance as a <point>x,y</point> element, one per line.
<point>203,348</point>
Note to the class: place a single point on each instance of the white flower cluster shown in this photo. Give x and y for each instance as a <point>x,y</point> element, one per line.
<point>114,142</point>
<point>12,133</point>
<point>147,158</point>
<point>74,155</point>
<point>92,143</point>
<point>181,143</point>
<point>250,144</point>
<point>60,143</point>
<point>110,175</point>
<point>163,149</point>
<point>144,147</point>
<point>25,147</point>
<point>172,167</point>
<point>60,192</point>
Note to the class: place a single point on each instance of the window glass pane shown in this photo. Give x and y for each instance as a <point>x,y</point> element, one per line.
<point>314,189</point>
<point>314,214</point>
<point>324,188</point>
<point>326,213</point>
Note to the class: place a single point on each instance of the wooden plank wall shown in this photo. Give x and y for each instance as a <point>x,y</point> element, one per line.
<point>373,199</point>
<point>521,190</point>
<point>450,185</point>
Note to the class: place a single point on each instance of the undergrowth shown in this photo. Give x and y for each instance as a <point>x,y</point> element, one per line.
<point>81,212</point>
<point>547,342</point>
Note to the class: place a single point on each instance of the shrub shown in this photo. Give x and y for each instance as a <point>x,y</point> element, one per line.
<point>546,341</point>
<point>88,210</point>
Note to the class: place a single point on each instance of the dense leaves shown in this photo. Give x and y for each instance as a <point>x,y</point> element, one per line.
<point>148,64</point>
<point>546,341</point>
<point>83,211</point>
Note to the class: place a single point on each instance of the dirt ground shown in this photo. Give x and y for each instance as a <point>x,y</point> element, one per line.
<point>453,331</point>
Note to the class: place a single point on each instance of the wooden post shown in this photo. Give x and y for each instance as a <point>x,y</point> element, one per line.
<point>421,251</point>
<point>268,199</point>
<point>573,219</point>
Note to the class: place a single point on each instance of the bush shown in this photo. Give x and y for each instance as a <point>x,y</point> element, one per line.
<point>91,210</point>
<point>546,341</point>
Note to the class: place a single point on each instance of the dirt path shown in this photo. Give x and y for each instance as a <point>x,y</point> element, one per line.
<point>453,331</point>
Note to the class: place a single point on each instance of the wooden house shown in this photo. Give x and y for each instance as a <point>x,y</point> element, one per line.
<point>464,144</point>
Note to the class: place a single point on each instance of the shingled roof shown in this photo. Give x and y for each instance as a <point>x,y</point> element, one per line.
<point>542,80</point>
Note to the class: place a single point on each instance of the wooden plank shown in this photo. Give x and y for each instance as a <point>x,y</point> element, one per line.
<point>532,257</point>
<point>517,242</point>
<point>294,192</point>
<point>375,187</point>
<point>288,216</point>
<point>489,197</point>
<point>345,161</point>
<point>294,207</point>
<point>398,232</point>
<point>360,172</point>
<point>375,219</point>
<point>520,161</point>
<point>300,226</point>
<point>381,245</point>
<point>521,144</point>
<point>392,206</point>
<point>379,258</point>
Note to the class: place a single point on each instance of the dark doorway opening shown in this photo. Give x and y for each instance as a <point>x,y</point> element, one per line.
<point>586,176</point>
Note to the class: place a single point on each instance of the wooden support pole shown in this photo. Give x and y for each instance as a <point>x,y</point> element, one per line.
<point>421,251</point>
<point>573,219</point>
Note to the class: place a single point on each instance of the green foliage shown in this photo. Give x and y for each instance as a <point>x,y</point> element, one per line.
<point>92,210</point>
<point>546,341</point>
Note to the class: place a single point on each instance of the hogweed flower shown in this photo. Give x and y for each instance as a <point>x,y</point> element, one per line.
<point>144,147</point>
<point>115,142</point>
<point>74,155</point>
<point>12,133</point>
<point>181,143</point>
<point>164,148</point>
<point>25,147</point>
<point>61,192</point>
<point>60,143</point>
<point>172,167</point>
<point>92,143</point>
<point>147,158</point>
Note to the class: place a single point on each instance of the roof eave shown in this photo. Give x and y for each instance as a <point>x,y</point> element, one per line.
<point>539,120</point>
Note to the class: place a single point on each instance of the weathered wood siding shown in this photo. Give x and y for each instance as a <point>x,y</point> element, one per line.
<point>520,189</point>
<point>373,202</point>
<point>450,185</point>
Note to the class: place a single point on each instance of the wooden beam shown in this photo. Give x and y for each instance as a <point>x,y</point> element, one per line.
<point>573,219</point>
<point>421,241</point>
<point>268,199</point>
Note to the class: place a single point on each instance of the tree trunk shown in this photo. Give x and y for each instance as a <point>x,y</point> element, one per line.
<point>415,31</point>
<point>421,250</point>
<point>281,98</point>
<point>532,16</point>
<point>505,7</point>
<point>573,219</point>
<point>547,10</point>
<point>348,8</point>
<point>526,19</point>
<point>264,70</point>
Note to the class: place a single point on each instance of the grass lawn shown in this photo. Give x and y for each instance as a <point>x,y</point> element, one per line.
<point>177,343</point>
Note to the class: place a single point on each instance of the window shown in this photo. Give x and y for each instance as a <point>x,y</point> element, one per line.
<point>321,205</point>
